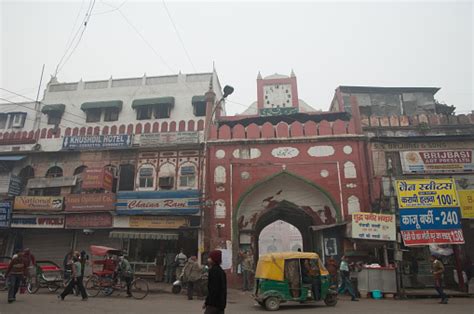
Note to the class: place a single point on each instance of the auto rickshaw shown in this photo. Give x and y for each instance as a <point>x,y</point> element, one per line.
<point>280,277</point>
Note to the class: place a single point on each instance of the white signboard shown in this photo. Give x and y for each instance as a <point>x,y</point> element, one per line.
<point>372,226</point>
<point>38,221</point>
<point>285,152</point>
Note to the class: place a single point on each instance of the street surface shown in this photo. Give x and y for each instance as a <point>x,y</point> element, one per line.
<point>45,302</point>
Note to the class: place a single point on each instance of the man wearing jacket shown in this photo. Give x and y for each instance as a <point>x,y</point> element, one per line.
<point>216,300</point>
<point>16,273</point>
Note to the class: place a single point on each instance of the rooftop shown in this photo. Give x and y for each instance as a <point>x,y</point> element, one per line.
<point>379,89</point>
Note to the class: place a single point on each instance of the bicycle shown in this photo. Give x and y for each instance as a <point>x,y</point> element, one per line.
<point>107,285</point>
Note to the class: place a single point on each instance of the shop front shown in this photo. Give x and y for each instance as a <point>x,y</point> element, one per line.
<point>5,220</point>
<point>149,224</point>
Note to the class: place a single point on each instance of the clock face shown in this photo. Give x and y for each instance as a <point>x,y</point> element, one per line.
<point>277,96</point>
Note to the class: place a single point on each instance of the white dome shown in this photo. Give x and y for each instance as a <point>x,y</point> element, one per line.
<point>276,76</point>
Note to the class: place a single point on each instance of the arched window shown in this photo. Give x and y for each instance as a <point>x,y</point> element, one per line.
<point>127,177</point>
<point>146,177</point>
<point>79,170</point>
<point>187,176</point>
<point>166,176</point>
<point>26,173</point>
<point>54,172</point>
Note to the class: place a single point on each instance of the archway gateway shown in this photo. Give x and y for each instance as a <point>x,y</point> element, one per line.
<point>279,236</point>
<point>285,197</point>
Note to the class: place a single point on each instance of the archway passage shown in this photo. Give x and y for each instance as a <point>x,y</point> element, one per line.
<point>279,236</point>
<point>285,197</point>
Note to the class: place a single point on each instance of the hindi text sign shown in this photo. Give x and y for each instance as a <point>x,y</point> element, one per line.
<point>426,193</point>
<point>373,226</point>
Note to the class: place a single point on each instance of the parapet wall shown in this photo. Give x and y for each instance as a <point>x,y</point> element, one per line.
<point>283,130</point>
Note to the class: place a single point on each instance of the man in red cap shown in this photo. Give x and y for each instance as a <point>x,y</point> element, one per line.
<point>217,285</point>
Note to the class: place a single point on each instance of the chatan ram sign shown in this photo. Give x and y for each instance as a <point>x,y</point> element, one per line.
<point>158,203</point>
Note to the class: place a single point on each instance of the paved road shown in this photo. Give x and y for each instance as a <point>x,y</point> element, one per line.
<point>44,302</point>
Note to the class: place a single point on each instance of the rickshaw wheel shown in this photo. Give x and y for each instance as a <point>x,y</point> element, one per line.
<point>139,288</point>
<point>93,286</point>
<point>53,288</point>
<point>330,300</point>
<point>272,304</point>
<point>31,287</point>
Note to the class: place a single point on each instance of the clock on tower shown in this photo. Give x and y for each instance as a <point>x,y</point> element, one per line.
<point>277,96</point>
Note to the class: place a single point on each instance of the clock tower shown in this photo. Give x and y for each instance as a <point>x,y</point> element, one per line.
<point>277,95</point>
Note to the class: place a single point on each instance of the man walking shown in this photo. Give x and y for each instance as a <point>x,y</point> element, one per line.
<point>76,280</point>
<point>331,266</point>
<point>247,270</point>
<point>438,271</point>
<point>216,300</point>
<point>346,284</point>
<point>191,274</point>
<point>126,273</point>
<point>180,261</point>
<point>169,266</point>
<point>16,273</point>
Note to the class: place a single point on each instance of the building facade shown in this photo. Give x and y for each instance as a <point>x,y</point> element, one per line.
<point>115,162</point>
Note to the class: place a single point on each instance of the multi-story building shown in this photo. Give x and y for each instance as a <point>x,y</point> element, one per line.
<point>412,136</point>
<point>115,162</point>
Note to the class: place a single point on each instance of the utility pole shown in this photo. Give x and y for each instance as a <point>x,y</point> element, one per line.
<point>37,122</point>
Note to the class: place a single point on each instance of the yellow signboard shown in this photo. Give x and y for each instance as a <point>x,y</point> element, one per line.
<point>466,198</point>
<point>155,222</point>
<point>38,203</point>
<point>426,193</point>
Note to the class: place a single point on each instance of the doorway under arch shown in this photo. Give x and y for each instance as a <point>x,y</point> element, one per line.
<point>279,236</point>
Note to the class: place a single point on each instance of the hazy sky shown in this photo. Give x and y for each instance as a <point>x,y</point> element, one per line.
<point>327,44</point>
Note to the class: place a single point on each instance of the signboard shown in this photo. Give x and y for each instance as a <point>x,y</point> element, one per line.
<point>163,139</point>
<point>93,220</point>
<point>97,178</point>
<point>437,161</point>
<point>372,226</point>
<point>159,203</point>
<point>425,237</point>
<point>33,221</point>
<point>90,202</point>
<point>426,193</point>
<point>330,246</point>
<point>97,141</point>
<point>150,222</point>
<point>5,214</point>
<point>278,111</point>
<point>466,198</point>
<point>38,203</point>
<point>15,185</point>
<point>430,219</point>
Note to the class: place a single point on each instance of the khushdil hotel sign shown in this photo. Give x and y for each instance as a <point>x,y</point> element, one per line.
<point>429,212</point>
<point>97,141</point>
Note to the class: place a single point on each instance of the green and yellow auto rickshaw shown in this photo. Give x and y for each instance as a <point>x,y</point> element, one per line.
<point>283,277</point>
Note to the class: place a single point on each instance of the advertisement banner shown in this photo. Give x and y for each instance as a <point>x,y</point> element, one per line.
<point>426,193</point>
<point>97,178</point>
<point>372,226</point>
<point>38,203</point>
<point>33,221</point>
<point>93,220</point>
<point>5,214</point>
<point>437,161</point>
<point>150,222</point>
<point>90,202</point>
<point>466,198</point>
<point>447,218</point>
<point>426,237</point>
<point>158,203</point>
<point>97,141</point>
<point>163,139</point>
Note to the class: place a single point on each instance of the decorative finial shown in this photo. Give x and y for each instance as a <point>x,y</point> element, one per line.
<point>259,76</point>
<point>211,88</point>
<point>292,73</point>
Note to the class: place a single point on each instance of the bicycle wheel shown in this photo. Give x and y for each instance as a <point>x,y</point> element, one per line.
<point>139,288</point>
<point>32,287</point>
<point>93,286</point>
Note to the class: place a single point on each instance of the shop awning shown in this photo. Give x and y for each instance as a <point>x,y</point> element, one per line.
<point>41,183</point>
<point>198,99</point>
<point>59,108</point>
<point>153,102</point>
<point>144,235</point>
<point>102,105</point>
<point>322,227</point>
<point>11,158</point>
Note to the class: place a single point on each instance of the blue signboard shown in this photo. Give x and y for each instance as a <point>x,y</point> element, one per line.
<point>445,218</point>
<point>97,141</point>
<point>5,214</point>
<point>158,203</point>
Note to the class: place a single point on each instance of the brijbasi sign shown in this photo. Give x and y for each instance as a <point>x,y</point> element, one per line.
<point>437,161</point>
